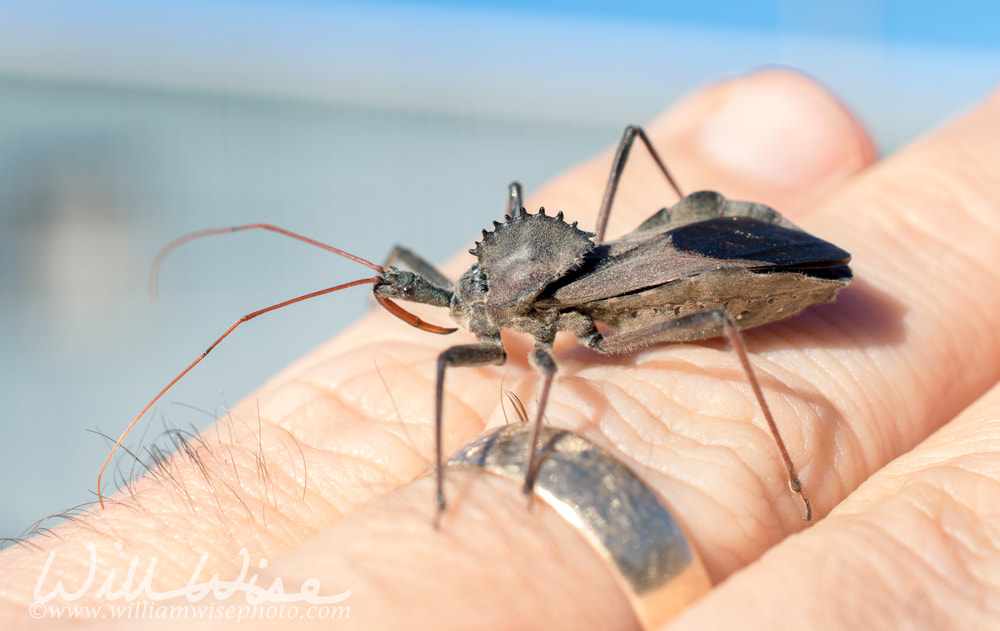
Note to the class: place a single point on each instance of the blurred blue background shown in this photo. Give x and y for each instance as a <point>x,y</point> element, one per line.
<point>124,124</point>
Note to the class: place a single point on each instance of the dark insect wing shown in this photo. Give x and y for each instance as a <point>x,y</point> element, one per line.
<point>752,240</point>
<point>630,265</point>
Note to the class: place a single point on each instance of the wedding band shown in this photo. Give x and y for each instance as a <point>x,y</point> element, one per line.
<point>610,506</point>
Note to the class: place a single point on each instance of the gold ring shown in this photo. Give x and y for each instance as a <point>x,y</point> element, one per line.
<point>610,506</point>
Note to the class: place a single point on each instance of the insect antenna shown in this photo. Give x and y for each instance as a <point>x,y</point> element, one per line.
<point>154,270</point>
<point>246,318</point>
<point>389,306</point>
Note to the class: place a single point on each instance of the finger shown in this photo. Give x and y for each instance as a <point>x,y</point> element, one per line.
<point>331,432</point>
<point>917,544</point>
<point>493,564</point>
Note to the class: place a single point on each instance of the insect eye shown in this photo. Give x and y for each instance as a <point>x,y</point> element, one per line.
<point>408,290</point>
<point>481,283</point>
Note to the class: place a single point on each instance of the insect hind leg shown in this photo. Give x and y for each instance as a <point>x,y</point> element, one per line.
<point>705,325</point>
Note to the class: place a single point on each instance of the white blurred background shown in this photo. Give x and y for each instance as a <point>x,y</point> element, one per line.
<point>124,125</point>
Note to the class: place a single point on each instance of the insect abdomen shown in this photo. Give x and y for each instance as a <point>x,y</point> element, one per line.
<point>750,298</point>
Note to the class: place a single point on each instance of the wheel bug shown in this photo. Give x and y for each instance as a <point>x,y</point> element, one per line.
<point>703,268</point>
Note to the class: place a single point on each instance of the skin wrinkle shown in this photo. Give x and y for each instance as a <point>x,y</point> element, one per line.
<point>969,184</point>
<point>967,545</point>
<point>952,260</point>
<point>729,453</point>
<point>862,369</point>
<point>778,401</point>
<point>658,422</point>
<point>400,430</point>
<point>986,440</point>
<point>813,456</point>
<point>977,197</point>
<point>942,552</point>
<point>870,405</point>
<point>941,562</point>
<point>168,568</point>
<point>334,396</point>
<point>842,323</point>
<point>748,484</point>
<point>621,402</point>
<point>744,479</point>
<point>872,522</point>
<point>402,373</point>
<point>872,548</point>
<point>350,413</point>
<point>954,255</point>
<point>848,445</point>
<point>463,551</point>
<point>342,458</point>
<point>671,362</point>
<point>358,384</point>
<point>878,441</point>
<point>636,390</point>
<point>818,363</point>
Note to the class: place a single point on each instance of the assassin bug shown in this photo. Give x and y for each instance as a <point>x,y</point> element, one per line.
<point>703,268</point>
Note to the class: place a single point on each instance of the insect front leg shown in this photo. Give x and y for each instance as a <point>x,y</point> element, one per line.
<point>704,325</point>
<point>489,351</point>
<point>418,264</point>
<point>618,167</point>
<point>542,360</point>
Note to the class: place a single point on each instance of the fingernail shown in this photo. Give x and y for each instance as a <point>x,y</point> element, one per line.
<point>781,129</point>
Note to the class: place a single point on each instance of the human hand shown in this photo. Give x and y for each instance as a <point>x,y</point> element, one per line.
<point>313,472</point>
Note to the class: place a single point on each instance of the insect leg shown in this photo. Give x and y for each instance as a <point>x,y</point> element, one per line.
<point>543,362</point>
<point>418,264</point>
<point>490,351</point>
<point>618,166</point>
<point>515,198</point>
<point>704,325</point>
